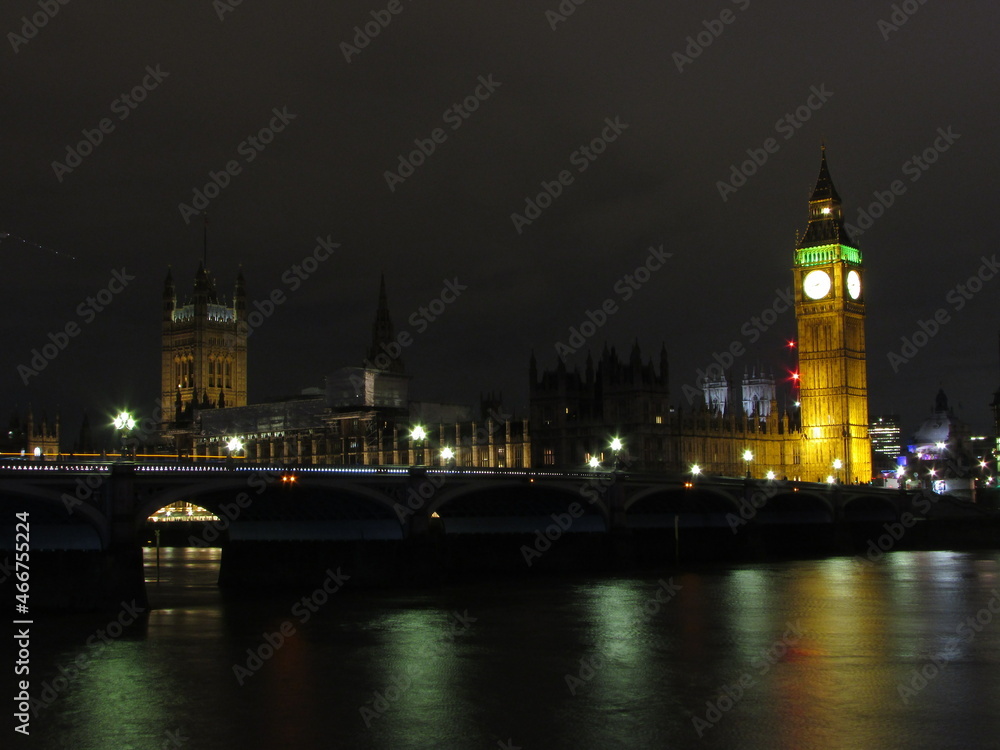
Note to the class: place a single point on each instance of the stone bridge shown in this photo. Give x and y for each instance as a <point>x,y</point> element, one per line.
<point>108,503</point>
<point>102,508</point>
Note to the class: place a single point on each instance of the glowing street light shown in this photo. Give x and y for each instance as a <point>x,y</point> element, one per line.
<point>124,423</point>
<point>616,446</point>
<point>696,470</point>
<point>770,475</point>
<point>830,479</point>
<point>234,446</point>
<point>418,435</point>
<point>748,457</point>
<point>448,455</point>
<point>837,465</point>
<point>594,462</point>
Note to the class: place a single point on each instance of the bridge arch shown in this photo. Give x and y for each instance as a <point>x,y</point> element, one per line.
<point>790,505</point>
<point>515,506</point>
<point>152,503</point>
<point>315,507</point>
<point>868,509</point>
<point>56,509</point>
<point>715,497</point>
<point>666,506</point>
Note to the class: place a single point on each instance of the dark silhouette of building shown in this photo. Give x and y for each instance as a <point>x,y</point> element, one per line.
<point>25,434</point>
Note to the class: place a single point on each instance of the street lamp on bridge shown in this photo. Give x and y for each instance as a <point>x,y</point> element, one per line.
<point>748,457</point>
<point>418,436</point>
<point>234,446</point>
<point>616,446</point>
<point>124,423</point>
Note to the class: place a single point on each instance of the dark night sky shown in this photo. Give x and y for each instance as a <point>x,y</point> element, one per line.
<point>655,184</point>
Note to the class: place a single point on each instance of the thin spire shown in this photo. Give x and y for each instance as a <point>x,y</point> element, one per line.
<point>824,190</point>
<point>383,354</point>
<point>826,217</point>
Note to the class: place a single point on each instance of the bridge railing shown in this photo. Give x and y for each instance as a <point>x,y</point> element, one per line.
<point>227,466</point>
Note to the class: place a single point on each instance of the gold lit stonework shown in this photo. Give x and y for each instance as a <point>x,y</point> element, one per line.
<point>831,327</point>
<point>204,349</point>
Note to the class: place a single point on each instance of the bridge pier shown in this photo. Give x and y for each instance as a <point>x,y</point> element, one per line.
<point>415,510</point>
<point>752,531</point>
<point>623,547</point>
<point>124,577</point>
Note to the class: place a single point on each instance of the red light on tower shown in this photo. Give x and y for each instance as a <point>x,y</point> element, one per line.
<point>791,344</point>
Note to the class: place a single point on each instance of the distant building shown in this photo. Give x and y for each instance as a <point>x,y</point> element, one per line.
<point>886,440</point>
<point>362,416</point>
<point>940,454</point>
<point>575,415</point>
<point>25,434</point>
<point>752,395</point>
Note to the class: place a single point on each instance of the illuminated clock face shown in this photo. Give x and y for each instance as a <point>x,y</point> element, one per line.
<point>816,284</point>
<point>854,284</point>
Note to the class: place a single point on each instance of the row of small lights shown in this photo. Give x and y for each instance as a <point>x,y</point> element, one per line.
<point>125,422</point>
<point>748,457</point>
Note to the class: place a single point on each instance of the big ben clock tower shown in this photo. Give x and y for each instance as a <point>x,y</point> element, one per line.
<point>830,310</point>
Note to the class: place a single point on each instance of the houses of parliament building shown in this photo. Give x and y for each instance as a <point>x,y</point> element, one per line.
<point>363,414</point>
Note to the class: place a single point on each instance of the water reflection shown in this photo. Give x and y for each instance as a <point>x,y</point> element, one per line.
<point>790,655</point>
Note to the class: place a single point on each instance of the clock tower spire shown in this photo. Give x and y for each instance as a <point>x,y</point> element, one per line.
<point>828,276</point>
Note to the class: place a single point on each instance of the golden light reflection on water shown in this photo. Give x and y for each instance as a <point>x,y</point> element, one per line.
<point>825,642</point>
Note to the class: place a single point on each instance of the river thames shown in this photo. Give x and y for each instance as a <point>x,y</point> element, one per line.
<point>833,653</point>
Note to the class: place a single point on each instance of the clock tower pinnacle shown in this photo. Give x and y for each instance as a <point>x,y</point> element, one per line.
<point>828,276</point>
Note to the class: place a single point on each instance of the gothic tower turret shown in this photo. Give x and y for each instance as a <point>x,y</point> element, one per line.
<point>204,348</point>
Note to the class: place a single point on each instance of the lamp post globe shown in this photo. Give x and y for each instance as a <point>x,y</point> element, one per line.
<point>124,423</point>
<point>448,455</point>
<point>418,435</point>
<point>616,446</point>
